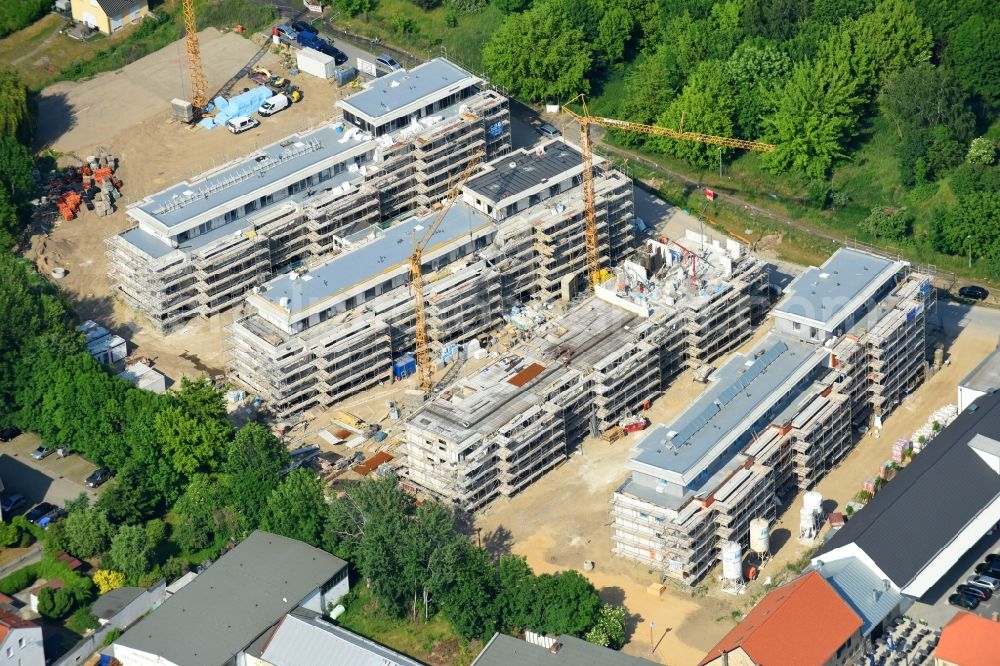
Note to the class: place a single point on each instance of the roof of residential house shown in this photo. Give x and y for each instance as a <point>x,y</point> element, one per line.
<point>944,488</point>
<point>969,640</point>
<point>116,8</point>
<point>986,375</point>
<point>302,639</point>
<point>233,601</point>
<point>401,88</point>
<point>504,650</point>
<point>110,604</point>
<point>803,622</point>
<point>871,597</point>
<point>524,169</point>
<point>9,621</point>
<point>822,293</point>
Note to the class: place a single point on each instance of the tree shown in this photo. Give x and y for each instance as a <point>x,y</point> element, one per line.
<point>653,80</point>
<point>88,532</point>
<point>974,221</point>
<point>817,110</point>
<point>512,6</point>
<point>107,580</point>
<point>431,528</point>
<point>566,603</point>
<point>773,19</point>
<point>518,590</point>
<point>190,445</point>
<point>982,151</point>
<point>18,163</point>
<point>539,55</point>
<point>465,584</point>
<point>130,552</point>
<point>974,49</point>
<point>888,223</point>
<point>130,498</point>
<point>16,119</point>
<point>609,631</point>
<point>707,105</point>
<point>55,604</point>
<point>355,7</point>
<point>753,70</point>
<point>614,31</point>
<point>254,462</point>
<point>893,37</point>
<point>924,96</point>
<point>297,508</point>
<point>200,514</point>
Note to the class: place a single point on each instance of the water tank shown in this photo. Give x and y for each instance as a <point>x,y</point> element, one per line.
<point>813,501</point>
<point>732,560</point>
<point>807,523</point>
<point>760,536</point>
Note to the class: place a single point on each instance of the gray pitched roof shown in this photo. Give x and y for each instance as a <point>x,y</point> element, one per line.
<point>116,8</point>
<point>930,502</point>
<point>233,601</point>
<point>109,605</point>
<point>302,639</point>
<point>870,597</point>
<point>503,650</point>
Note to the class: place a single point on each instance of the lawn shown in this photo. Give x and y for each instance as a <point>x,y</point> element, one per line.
<point>425,33</point>
<point>434,642</point>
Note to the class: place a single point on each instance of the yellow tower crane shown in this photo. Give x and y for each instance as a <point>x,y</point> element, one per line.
<point>199,86</point>
<point>586,120</point>
<point>423,355</point>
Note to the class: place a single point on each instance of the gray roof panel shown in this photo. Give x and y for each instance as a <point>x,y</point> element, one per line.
<point>302,639</point>
<point>870,596</point>
<point>110,604</point>
<point>520,171</point>
<point>986,375</point>
<point>393,248</point>
<point>233,601</point>
<point>401,88</point>
<point>504,650</point>
<point>821,293</point>
<point>930,501</point>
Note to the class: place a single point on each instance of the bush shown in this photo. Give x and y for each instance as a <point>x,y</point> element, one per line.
<point>55,604</point>
<point>18,14</point>
<point>18,580</point>
<point>107,580</point>
<point>402,24</point>
<point>893,224</point>
<point>467,6</point>
<point>451,18</point>
<point>81,621</point>
<point>111,636</point>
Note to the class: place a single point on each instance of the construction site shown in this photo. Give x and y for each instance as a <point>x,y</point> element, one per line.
<point>848,342</point>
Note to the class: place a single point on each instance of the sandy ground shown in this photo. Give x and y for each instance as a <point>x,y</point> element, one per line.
<point>562,520</point>
<point>127,113</point>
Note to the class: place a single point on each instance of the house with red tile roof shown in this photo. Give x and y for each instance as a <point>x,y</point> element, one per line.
<point>20,641</point>
<point>968,640</point>
<point>802,623</point>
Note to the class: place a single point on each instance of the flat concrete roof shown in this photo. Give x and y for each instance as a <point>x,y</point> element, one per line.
<point>381,255</point>
<point>295,153</point>
<point>743,384</point>
<point>520,171</point>
<point>392,92</point>
<point>986,375</point>
<point>822,293</point>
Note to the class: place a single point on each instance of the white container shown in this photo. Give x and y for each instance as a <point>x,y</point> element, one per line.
<point>318,64</point>
<point>807,523</point>
<point>732,560</point>
<point>760,536</point>
<point>814,501</point>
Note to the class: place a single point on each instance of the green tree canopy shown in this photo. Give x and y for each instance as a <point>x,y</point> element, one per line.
<point>609,631</point>
<point>16,119</point>
<point>254,462</point>
<point>566,603</point>
<point>465,583</point>
<point>892,37</point>
<point>539,55</point>
<point>974,50</point>
<point>87,532</point>
<point>297,508</point>
<point>130,552</point>
<point>973,222</point>
<point>201,515</point>
<point>707,105</point>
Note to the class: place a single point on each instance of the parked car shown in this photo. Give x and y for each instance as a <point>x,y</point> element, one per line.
<point>241,124</point>
<point>974,292</point>
<point>989,582</point>
<point>287,33</point>
<point>976,591</point>
<point>52,516</point>
<point>8,434</point>
<point>387,63</point>
<point>303,26</point>
<point>548,130</point>
<point>310,40</point>
<point>41,453</point>
<point>272,105</point>
<point>98,477</point>
<point>989,569</point>
<point>339,57</point>
<point>963,601</point>
<point>38,511</point>
<point>993,557</point>
<point>10,503</point>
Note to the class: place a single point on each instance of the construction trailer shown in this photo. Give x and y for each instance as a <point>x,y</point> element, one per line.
<point>475,271</point>
<point>200,245</point>
<point>848,342</point>
<point>580,373</point>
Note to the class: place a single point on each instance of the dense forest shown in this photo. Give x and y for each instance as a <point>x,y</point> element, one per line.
<point>817,78</point>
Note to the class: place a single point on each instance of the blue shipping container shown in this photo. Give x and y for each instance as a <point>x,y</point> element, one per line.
<point>404,366</point>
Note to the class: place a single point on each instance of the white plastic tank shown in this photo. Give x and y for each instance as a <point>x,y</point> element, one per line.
<point>732,560</point>
<point>760,536</point>
<point>813,501</point>
<point>807,523</point>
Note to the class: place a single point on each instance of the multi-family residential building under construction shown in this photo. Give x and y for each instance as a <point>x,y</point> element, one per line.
<point>848,343</point>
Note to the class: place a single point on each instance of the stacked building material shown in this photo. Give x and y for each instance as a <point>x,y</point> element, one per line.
<point>68,204</point>
<point>899,449</point>
<point>93,184</point>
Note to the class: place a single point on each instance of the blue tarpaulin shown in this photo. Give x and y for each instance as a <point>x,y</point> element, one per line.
<point>241,105</point>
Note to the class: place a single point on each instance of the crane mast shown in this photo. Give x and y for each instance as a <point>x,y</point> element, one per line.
<point>199,86</point>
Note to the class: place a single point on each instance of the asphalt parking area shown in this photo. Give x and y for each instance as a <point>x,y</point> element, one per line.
<point>53,479</point>
<point>934,608</point>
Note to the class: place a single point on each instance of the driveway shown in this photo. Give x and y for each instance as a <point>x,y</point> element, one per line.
<point>53,479</point>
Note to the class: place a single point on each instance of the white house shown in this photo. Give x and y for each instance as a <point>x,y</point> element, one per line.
<point>20,641</point>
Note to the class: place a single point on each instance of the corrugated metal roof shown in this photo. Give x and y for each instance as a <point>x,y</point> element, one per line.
<point>503,650</point>
<point>871,597</point>
<point>308,641</point>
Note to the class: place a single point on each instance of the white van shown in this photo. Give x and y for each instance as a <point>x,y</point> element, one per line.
<point>272,105</point>
<point>241,124</point>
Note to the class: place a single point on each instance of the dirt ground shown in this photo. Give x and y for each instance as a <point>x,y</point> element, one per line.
<point>563,519</point>
<point>127,113</point>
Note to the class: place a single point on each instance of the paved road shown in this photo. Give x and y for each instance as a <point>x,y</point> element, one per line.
<point>53,480</point>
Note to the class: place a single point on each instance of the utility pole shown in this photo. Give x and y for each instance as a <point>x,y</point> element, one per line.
<point>969,238</point>
<point>720,162</point>
<point>652,646</point>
